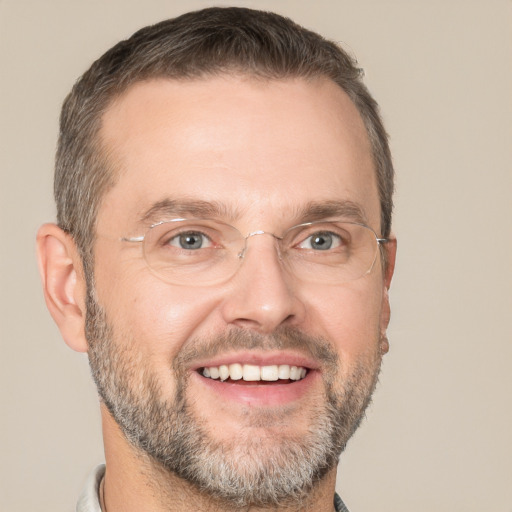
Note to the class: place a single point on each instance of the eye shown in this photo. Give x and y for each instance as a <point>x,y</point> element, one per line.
<point>321,241</point>
<point>190,240</point>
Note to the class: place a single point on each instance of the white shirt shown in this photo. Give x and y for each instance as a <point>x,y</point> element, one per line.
<point>89,500</point>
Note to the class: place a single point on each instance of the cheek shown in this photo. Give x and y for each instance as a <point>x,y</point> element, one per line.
<point>156,316</point>
<point>349,316</point>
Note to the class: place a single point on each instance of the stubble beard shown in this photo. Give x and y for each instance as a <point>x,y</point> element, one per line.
<point>274,469</point>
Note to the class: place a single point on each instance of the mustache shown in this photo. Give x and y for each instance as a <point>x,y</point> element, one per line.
<point>283,338</point>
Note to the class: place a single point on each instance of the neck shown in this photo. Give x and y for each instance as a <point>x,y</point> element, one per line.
<point>134,482</point>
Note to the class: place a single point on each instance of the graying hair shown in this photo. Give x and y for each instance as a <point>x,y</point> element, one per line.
<point>197,44</point>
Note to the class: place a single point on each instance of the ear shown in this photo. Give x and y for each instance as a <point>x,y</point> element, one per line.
<point>64,284</point>
<point>390,248</point>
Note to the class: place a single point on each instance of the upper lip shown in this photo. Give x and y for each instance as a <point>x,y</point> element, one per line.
<point>260,358</point>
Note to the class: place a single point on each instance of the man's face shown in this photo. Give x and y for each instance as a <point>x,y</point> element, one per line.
<point>259,155</point>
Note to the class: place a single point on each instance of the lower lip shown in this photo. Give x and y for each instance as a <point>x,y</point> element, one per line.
<point>260,395</point>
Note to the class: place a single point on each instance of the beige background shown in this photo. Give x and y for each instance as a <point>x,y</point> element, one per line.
<point>438,437</point>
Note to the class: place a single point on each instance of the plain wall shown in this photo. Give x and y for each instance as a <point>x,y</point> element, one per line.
<point>438,435</point>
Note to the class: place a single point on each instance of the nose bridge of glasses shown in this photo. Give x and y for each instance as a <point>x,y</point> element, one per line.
<point>241,254</point>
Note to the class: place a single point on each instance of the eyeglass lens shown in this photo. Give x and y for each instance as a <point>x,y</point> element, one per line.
<point>205,252</point>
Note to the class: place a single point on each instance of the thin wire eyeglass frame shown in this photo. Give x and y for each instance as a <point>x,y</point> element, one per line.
<point>142,239</point>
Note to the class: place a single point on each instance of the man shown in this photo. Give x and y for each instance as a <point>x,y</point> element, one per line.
<point>223,254</point>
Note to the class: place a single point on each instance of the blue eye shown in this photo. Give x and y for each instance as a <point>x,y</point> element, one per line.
<point>190,240</point>
<point>321,241</point>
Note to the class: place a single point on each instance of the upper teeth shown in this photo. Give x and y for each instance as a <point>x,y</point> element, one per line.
<point>250,372</point>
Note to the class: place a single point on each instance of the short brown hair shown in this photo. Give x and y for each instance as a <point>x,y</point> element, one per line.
<point>197,44</point>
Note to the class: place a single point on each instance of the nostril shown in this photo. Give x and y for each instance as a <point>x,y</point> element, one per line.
<point>247,323</point>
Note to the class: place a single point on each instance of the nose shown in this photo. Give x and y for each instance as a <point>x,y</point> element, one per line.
<point>262,294</point>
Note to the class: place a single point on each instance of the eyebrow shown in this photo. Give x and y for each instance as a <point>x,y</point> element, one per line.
<point>324,210</point>
<point>168,208</point>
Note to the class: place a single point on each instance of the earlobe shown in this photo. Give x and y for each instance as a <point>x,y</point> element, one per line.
<point>63,282</point>
<point>384,344</point>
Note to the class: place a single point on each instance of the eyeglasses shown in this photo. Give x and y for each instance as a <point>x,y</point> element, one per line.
<point>202,252</point>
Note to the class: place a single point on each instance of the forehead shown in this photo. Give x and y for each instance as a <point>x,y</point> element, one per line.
<point>259,148</point>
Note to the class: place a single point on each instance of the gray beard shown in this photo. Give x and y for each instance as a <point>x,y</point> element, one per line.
<point>274,469</point>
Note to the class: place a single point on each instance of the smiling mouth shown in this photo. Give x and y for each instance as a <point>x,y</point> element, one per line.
<point>282,373</point>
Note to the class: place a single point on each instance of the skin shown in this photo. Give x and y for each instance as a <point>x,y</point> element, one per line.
<point>264,150</point>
